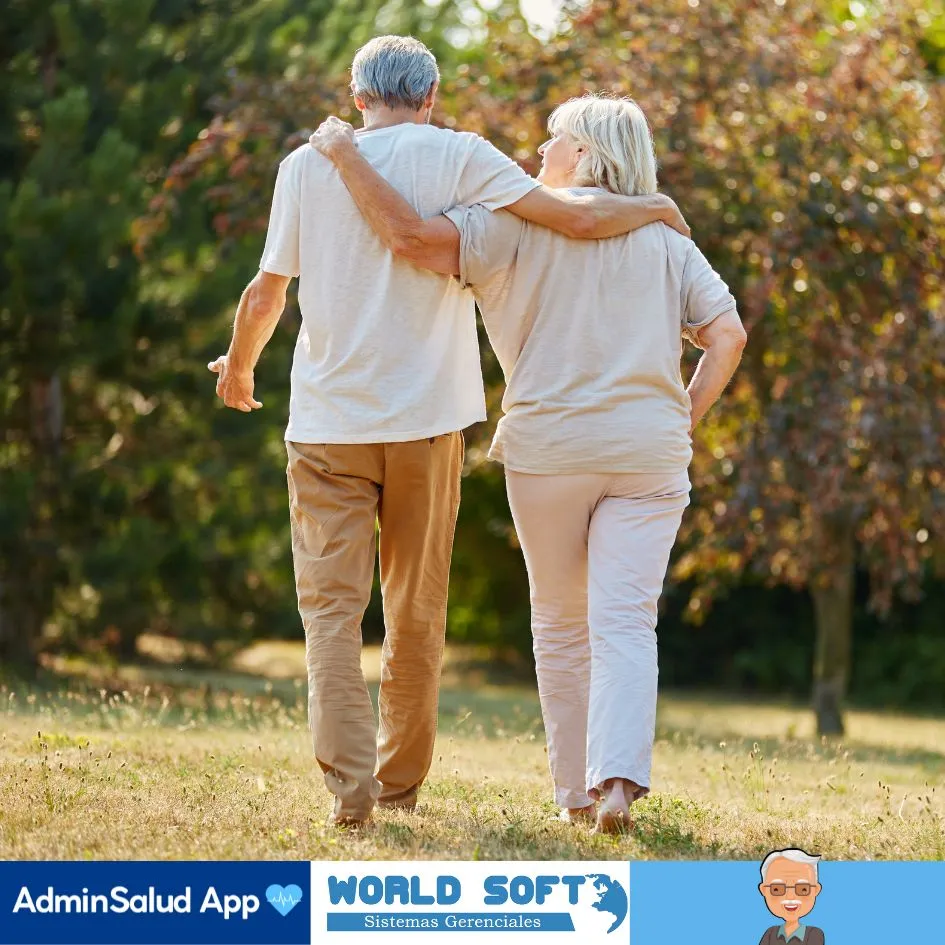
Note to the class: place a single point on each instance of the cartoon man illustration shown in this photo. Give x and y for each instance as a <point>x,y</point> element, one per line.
<point>790,887</point>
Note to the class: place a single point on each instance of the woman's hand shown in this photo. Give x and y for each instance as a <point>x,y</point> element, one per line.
<point>723,341</point>
<point>333,137</point>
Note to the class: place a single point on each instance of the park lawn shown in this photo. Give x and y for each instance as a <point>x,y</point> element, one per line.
<point>144,763</point>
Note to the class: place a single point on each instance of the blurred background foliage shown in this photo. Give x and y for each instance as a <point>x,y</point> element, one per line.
<point>804,141</point>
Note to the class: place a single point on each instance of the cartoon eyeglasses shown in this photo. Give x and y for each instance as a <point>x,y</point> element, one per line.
<point>780,889</point>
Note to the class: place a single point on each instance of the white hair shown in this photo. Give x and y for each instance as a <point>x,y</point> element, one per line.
<point>796,856</point>
<point>614,132</point>
<point>398,71</point>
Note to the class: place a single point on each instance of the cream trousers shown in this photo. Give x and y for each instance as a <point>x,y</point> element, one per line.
<point>597,547</point>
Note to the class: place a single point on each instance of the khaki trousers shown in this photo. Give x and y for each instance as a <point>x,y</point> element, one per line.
<point>338,494</point>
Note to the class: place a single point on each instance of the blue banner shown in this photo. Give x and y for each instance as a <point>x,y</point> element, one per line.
<point>210,903</point>
<point>720,901</point>
<point>184,903</point>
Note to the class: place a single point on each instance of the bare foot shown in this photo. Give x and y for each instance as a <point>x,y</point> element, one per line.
<point>613,815</point>
<point>409,806</point>
<point>579,816</point>
<point>345,822</point>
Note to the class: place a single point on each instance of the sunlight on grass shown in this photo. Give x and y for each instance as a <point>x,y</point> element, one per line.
<point>154,762</point>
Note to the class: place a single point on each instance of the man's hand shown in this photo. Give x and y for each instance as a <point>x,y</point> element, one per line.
<point>333,137</point>
<point>234,388</point>
<point>673,217</point>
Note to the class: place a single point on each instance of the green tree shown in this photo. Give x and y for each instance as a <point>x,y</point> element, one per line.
<point>126,500</point>
<point>211,215</point>
<point>96,500</point>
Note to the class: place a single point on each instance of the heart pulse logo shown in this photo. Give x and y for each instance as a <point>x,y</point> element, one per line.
<point>283,898</point>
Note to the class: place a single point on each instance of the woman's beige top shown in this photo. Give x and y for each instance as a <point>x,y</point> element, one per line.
<point>589,337</point>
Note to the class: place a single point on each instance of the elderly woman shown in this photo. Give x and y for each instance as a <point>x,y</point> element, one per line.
<point>595,435</point>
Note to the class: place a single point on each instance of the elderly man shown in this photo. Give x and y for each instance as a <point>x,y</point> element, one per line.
<point>386,374</point>
<point>790,889</point>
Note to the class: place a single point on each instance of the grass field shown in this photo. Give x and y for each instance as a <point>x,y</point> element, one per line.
<point>153,762</point>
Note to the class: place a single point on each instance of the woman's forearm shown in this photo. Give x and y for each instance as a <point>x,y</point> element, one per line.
<point>713,372</point>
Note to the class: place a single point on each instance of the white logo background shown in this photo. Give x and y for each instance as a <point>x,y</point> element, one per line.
<point>590,924</point>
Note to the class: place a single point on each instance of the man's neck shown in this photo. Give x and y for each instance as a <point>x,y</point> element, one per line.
<point>790,926</point>
<point>378,118</point>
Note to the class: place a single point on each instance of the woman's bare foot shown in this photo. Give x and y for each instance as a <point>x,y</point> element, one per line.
<point>613,815</point>
<point>579,816</point>
<point>344,822</point>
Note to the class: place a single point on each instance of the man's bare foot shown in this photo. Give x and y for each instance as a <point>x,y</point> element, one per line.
<point>579,816</point>
<point>408,806</point>
<point>613,815</point>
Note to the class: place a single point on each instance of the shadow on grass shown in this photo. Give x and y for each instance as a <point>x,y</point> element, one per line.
<point>161,696</point>
<point>807,749</point>
<point>155,695</point>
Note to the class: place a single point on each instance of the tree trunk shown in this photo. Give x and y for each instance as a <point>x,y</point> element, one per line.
<point>46,417</point>
<point>17,650</point>
<point>832,591</point>
<point>26,590</point>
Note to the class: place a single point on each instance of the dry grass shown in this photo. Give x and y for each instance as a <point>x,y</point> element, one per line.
<point>158,763</point>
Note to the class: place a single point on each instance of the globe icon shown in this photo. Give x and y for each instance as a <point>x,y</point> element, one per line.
<point>604,906</point>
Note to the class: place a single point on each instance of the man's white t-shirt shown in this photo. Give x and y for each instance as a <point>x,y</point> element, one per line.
<point>387,352</point>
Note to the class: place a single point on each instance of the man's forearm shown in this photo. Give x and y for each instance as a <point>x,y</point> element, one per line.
<point>257,315</point>
<point>615,215</point>
<point>430,244</point>
<point>392,218</point>
<point>713,372</point>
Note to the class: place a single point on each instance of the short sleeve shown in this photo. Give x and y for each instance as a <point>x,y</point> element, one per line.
<point>281,253</point>
<point>488,243</point>
<point>491,178</point>
<point>704,295</point>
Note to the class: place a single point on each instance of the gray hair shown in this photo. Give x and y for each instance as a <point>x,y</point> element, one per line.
<point>398,71</point>
<point>796,856</point>
<point>618,147</point>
